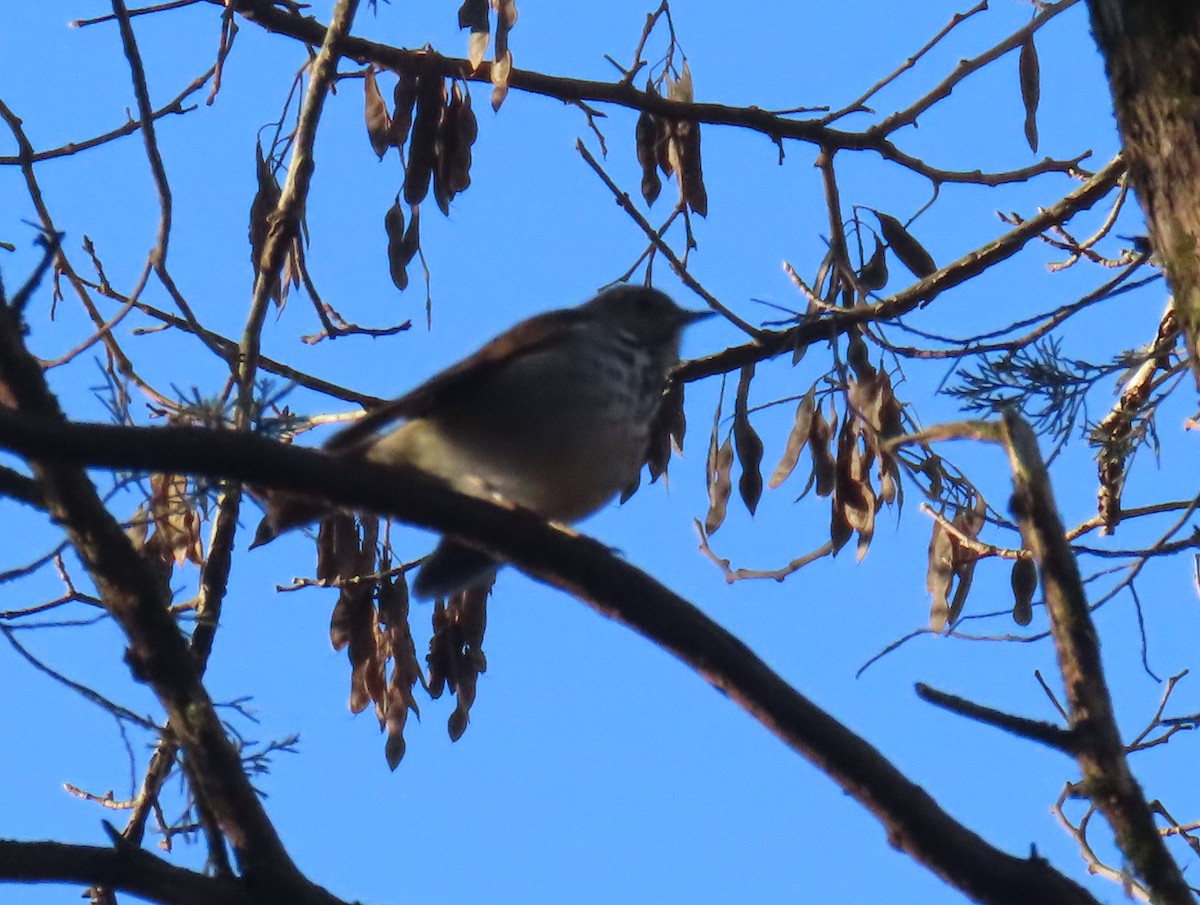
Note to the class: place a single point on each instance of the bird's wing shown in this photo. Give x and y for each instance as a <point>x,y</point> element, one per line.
<point>522,339</point>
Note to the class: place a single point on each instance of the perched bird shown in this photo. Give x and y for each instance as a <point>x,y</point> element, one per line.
<point>554,415</point>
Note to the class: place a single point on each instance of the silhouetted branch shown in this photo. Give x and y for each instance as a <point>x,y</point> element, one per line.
<point>590,571</point>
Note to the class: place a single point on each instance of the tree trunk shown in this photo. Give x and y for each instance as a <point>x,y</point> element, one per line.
<point>1152,54</point>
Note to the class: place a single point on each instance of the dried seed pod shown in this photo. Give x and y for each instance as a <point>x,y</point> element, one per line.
<point>874,274</point>
<point>666,430</point>
<point>939,575</point>
<point>683,147</point>
<point>266,197</point>
<point>501,69</point>
<point>1024,586</point>
<point>404,97</point>
<point>797,439</point>
<point>720,487</point>
<point>859,357</point>
<point>467,126</point>
<point>912,254</point>
<point>379,124</point>
<point>446,150</point>
<point>819,437</point>
<point>749,445</point>
<point>1031,88</point>
<point>398,251</point>
<point>473,14</point>
<point>422,151</point>
<point>646,137</point>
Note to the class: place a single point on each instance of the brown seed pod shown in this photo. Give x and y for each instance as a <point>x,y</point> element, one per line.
<point>468,131</point>
<point>403,243</point>
<point>796,441</point>
<point>422,151</point>
<point>646,137</point>
<point>1024,586</point>
<point>404,96</point>
<point>874,274</point>
<point>1031,89</point>
<point>749,445</point>
<point>912,254</point>
<point>379,124</point>
<point>473,14</point>
<point>445,152</point>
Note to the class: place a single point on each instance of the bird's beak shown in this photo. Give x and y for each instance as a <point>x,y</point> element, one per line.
<point>687,318</point>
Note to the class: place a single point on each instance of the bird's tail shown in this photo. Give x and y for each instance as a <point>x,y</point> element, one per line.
<point>454,567</point>
<point>285,511</point>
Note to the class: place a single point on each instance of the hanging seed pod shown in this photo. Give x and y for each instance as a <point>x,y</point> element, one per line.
<point>404,96</point>
<point>874,274</point>
<point>379,124</point>
<point>912,254</point>
<point>1031,89</point>
<point>422,151</point>
<point>645,141</point>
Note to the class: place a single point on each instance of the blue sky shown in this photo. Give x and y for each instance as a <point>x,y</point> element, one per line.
<point>596,768</point>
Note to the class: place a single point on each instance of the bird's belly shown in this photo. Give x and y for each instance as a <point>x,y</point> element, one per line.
<point>554,437</point>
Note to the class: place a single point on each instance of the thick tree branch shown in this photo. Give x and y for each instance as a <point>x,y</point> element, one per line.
<point>137,597</point>
<point>1150,52</point>
<point>1107,779</point>
<point>587,569</point>
<point>125,869</point>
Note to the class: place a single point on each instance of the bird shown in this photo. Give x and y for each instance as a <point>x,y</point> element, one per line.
<point>553,415</point>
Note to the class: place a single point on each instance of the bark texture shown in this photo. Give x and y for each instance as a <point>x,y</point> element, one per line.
<point>1151,51</point>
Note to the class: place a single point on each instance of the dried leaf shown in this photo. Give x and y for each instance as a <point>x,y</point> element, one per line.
<point>874,274</point>
<point>749,445</point>
<point>912,254</point>
<point>379,124</point>
<point>422,150</point>
<point>1024,586</point>
<point>797,439</point>
<point>1031,89</point>
<point>176,521</point>
<point>501,69</point>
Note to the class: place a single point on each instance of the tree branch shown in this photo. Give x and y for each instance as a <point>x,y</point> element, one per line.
<point>1107,779</point>
<point>587,569</point>
<point>953,274</point>
<point>624,94</point>
<point>125,868</point>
